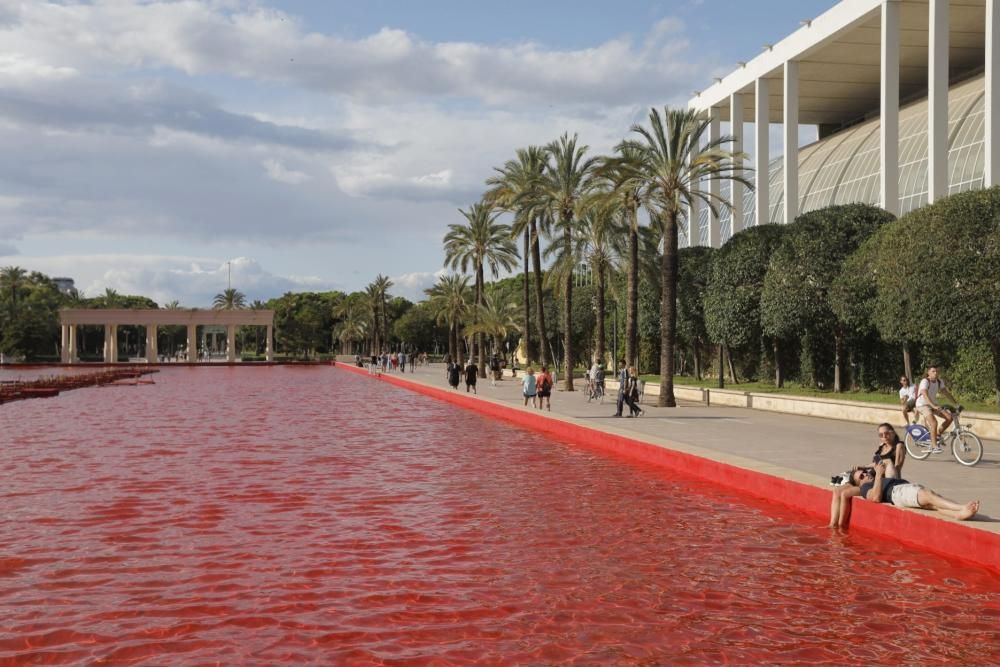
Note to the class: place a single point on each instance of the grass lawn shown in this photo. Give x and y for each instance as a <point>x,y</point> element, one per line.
<point>798,390</point>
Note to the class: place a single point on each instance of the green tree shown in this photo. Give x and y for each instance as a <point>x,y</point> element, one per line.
<point>674,162</point>
<point>795,299</point>
<point>352,311</point>
<point>450,302</point>
<point>480,242</point>
<point>735,283</point>
<point>230,299</point>
<point>693,267</point>
<point>514,188</point>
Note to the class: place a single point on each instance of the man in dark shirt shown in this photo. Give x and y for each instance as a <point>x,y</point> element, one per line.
<point>622,384</point>
<point>899,492</point>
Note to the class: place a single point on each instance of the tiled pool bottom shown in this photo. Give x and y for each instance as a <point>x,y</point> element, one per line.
<point>303,515</point>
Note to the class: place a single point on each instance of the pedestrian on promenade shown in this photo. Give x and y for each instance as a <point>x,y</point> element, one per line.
<point>907,399</point>
<point>622,383</point>
<point>471,374</point>
<point>632,393</point>
<point>544,384</point>
<point>494,370</point>
<point>402,362</point>
<point>529,387</point>
<point>454,373</point>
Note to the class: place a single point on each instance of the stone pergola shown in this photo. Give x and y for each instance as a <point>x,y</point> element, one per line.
<point>112,318</point>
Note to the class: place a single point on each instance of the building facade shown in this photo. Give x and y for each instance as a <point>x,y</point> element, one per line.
<point>904,93</point>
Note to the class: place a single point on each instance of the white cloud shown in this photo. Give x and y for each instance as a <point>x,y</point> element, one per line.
<point>193,281</point>
<point>412,285</point>
<point>248,41</point>
<point>282,174</point>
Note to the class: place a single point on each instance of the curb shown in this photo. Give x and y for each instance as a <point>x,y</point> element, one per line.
<point>947,538</point>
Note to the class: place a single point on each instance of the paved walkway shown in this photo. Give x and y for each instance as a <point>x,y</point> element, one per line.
<point>805,449</point>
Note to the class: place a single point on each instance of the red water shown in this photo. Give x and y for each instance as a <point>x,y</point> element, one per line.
<point>309,516</point>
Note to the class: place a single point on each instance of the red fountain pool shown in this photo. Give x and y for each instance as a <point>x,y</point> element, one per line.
<point>288,515</point>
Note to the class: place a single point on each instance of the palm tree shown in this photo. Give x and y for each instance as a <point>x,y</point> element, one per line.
<point>567,179</point>
<point>380,293</point>
<point>621,175</point>
<point>513,189</point>
<point>353,316</point>
<point>474,245</point>
<point>598,233</point>
<point>673,163</point>
<point>494,321</point>
<point>230,299</point>
<point>449,300</point>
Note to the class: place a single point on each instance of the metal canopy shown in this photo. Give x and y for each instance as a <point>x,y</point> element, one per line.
<point>839,59</point>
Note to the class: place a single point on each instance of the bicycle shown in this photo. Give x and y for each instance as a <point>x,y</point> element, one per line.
<point>966,446</point>
<point>596,392</point>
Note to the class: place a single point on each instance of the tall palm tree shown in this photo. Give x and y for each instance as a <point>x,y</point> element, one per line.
<point>381,295</point>
<point>674,160</point>
<point>621,175</point>
<point>567,179</point>
<point>481,242</point>
<point>449,300</point>
<point>230,299</point>
<point>513,189</point>
<point>598,232</point>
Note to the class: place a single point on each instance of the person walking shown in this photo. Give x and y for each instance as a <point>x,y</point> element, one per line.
<point>545,384</point>
<point>402,362</point>
<point>622,384</point>
<point>631,395</point>
<point>454,373</point>
<point>529,386</point>
<point>471,374</point>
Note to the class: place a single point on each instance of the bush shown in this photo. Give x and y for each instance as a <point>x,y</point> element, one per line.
<point>971,375</point>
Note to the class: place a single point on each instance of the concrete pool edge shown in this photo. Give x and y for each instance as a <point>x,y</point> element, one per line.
<point>918,528</point>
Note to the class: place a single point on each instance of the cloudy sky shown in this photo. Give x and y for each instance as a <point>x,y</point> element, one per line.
<point>153,146</point>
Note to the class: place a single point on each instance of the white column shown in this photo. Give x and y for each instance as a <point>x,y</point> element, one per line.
<point>192,343</point>
<point>714,132</point>
<point>694,230</point>
<point>889,174</point>
<point>937,101</point>
<point>230,343</point>
<point>270,344</point>
<point>791,129</point>
<point>762,124</point>
<point>992,174</point>
<point>74,355</point>
<point>152,354</point>
<point>64,344</point>
<point>736,129</point>
<point>107,344</point>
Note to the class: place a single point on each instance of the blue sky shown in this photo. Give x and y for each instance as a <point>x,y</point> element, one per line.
<point>313,144</point>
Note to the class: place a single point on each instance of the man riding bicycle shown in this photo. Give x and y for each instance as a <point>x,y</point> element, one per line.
<point>927,406</point>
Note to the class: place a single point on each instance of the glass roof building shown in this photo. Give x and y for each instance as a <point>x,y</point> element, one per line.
<point>847,72</point>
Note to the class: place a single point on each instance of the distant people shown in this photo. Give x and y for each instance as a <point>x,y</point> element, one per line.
<point>890,450</point>
<point>544,384</point>
<point>622,384</point>
<point>454,373</point>
<point>385,362</point>
<point>927,406</point>
<point>357,360</point>
<point>529,386</point>
<point>494,370</point>
<point>402,362</point>
<point>907,399</point>
<point>471,375</point>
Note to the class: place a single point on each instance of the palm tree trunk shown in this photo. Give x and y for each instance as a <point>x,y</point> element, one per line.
<point>995,349</point>
<point>528,347</point>
<point>668,310</point>
<point>601,333</point>
<point>632,301</point>
<point>907,365</point>
<point>568,312</point>
<point>722,366</point>
<point>779,379</point>
<point>536,259</point>
<point>838,357</point>
<point>697,359</point>
<point>481,337</point>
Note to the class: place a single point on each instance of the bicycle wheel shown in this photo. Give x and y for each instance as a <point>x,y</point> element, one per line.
<point>918,449</point>
<point>967,448</point>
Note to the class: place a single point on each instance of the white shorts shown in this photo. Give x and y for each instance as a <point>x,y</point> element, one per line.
<point>905,495</point>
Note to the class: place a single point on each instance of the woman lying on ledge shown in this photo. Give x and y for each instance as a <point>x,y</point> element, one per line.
<point>874,485</point>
